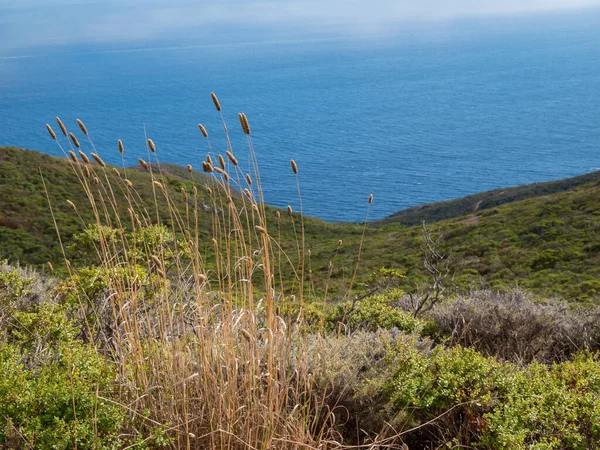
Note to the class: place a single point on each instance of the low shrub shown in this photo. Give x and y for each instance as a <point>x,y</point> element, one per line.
<point>511,326</point>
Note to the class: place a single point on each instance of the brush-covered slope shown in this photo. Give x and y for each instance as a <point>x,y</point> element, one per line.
<point>546,243</point>
<point>434,212</point>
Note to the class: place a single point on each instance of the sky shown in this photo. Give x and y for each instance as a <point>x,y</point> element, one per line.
<point>28,24</point>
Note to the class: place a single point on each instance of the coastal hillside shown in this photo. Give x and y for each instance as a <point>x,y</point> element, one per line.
<point>434,212</point>
<point>546,242</point>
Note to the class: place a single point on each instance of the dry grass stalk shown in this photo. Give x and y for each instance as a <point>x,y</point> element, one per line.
<point>203,130</point>
<point>62,126</point>
<point>216,101</point>
<point>232,158</point>
<point>51,131</point>
<point>84,157</point>
<point>75,141</point>
<point>82,127</point>
<point>98,159</point>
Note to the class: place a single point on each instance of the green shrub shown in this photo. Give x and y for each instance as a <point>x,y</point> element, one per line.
<point>474,400</point>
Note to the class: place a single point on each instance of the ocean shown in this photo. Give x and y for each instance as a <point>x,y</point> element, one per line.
<point>411,118</point>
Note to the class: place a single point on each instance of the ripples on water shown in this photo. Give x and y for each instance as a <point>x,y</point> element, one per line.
<point>411,121</point>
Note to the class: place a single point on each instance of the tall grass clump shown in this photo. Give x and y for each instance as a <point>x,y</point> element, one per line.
<point>189,316</point>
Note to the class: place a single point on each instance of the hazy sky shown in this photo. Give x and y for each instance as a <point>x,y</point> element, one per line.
<point>30,23</point>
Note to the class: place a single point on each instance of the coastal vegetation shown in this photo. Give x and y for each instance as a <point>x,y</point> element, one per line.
<point>165,307</point>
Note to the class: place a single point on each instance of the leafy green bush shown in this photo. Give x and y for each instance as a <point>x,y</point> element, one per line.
<point>54,390</point>
<point>474,400</point>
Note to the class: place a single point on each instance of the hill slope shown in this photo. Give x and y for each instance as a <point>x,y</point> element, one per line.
<point>546,243</point>
<point>434,212</point>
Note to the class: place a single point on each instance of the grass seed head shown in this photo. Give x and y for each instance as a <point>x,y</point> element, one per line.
<point>129,183</point>
<point>159,185</point>
<point>294,166</point>
<point>232,158</point>
<point>87,171</point>
<point>340,242</point>
<point>248,179</point>
<point>248,193</point>
<point>72,156</point>
<point>51,131</point>
<point>244,123</point>
<point>143,163</point>
<point>209,160</point>
<point>151,145</point>
<point>222,162</point>
<point>50,267</point>
<point>260,229</point>
<point>98,159</point>
<point>216,101</point>
<point>370,198</point>
<point>84,157</point>
<point>156,260</point>
<point>121,148</point>
<point>190,169</point>
<point>75,141</point>
<point>82,127</point>
<point>96,180</point>
<point>71,205</point>
<point>61,125</point>
<point>290,210</point>
<point>203,130</point>
<point>116,172</point>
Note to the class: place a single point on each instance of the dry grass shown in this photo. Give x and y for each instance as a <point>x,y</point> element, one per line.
<point>203,353</point>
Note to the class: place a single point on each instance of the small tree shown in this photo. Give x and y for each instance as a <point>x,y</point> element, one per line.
<point>437,265</point>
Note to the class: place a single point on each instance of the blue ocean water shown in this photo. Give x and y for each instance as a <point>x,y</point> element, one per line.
<point>411,119</point>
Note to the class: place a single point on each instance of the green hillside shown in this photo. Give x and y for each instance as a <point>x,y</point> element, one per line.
<point>434,212</point>
<point>547,243</point>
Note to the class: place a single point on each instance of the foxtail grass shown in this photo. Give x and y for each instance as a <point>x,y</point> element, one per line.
<point>194,329</point>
